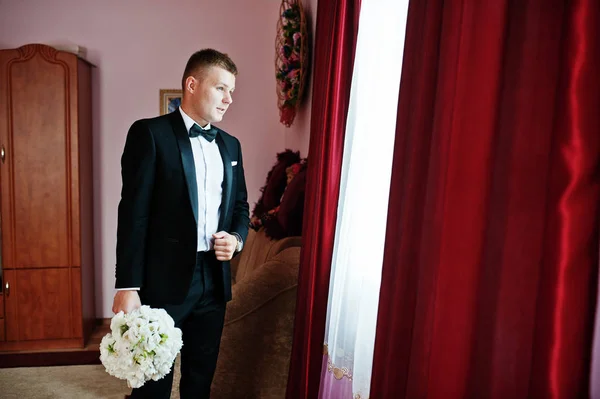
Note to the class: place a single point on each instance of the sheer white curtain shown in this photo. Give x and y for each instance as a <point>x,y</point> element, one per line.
<point>363,203</point>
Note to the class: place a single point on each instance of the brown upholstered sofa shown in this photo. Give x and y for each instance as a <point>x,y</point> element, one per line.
<point>257,337</point>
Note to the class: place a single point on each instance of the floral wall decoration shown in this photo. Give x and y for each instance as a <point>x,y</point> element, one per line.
<point>291,59</point>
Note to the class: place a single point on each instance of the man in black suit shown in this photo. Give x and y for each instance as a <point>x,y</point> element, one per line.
<point>183,215</point>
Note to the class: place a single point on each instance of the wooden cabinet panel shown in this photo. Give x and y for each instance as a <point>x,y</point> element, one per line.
<point>38,305</point>
<point>38,160</point>
<point>11,318</point>
<point>75,300</point>
<point>46,198</point>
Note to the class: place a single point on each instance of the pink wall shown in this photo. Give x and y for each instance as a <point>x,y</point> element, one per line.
<point>141,46</point>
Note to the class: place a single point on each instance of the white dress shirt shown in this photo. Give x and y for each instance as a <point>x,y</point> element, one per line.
<point>209,180</point>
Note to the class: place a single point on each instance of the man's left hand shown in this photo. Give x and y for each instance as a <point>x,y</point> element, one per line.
<point>225,245</point>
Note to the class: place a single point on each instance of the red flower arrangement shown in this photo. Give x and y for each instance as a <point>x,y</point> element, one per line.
<point>291,59</point>
<point>280,207</point>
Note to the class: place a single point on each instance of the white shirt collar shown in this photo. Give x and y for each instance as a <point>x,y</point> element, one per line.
<point>189,122</point>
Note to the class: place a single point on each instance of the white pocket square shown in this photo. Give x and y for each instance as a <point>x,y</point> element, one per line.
<point>233,163</point>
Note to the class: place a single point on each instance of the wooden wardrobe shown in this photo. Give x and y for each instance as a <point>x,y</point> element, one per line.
<point>46,212</point>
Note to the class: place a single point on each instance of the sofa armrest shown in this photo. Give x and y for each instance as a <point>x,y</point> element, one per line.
<point>266,283</point>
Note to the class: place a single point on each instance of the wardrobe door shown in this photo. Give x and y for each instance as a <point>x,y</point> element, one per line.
<point>38,304</point>
<point>36,172</point>
<point>39,191</point>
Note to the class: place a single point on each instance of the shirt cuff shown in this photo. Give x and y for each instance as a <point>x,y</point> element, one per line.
<point>129,289</point>
<point>240,241</point>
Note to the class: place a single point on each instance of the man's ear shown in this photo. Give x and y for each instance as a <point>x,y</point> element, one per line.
<point>191,84</point>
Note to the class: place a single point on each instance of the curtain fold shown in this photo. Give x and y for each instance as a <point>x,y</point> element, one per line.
<point>491,260</point>
<point>364,185</point>
<point>335,41</point>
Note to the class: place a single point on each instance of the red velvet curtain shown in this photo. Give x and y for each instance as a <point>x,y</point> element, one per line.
<point>335,42</point>
<point>491,259</point>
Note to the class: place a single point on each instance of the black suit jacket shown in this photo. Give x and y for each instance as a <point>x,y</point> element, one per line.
<point>158,213</point>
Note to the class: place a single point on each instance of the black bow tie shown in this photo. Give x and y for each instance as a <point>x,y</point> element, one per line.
<point>209,134</point>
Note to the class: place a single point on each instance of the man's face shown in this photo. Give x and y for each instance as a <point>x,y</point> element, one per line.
<point>210,94</point>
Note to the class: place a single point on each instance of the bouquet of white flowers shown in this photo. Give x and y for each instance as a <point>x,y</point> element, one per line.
<point>142,345</point>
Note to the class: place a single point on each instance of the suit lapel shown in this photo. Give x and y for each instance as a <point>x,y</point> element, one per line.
<point>187,159</point>
<point>227,179</point>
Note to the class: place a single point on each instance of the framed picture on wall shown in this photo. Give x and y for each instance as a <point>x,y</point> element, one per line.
<point>170,100</point>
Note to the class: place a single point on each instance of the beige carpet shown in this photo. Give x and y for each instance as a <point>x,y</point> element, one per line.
<point>65,382</point>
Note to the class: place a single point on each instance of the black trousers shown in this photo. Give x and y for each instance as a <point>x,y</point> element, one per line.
<point>200,318</point>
